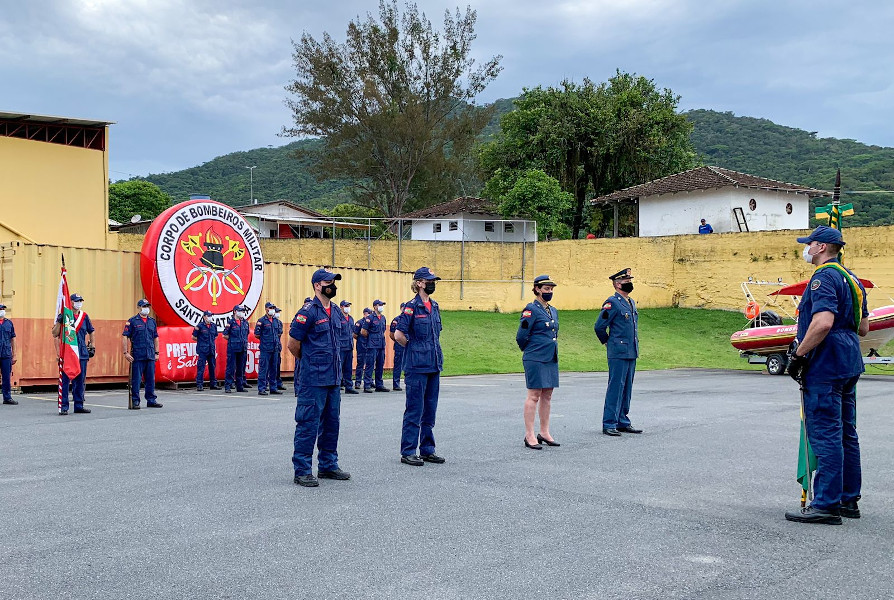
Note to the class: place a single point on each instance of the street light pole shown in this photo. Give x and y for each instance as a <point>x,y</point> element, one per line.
<point>251,176</point>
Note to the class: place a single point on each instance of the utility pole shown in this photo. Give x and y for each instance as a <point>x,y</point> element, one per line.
<point>251,176</point>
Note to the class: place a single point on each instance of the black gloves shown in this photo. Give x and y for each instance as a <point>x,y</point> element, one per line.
<point>797,365</point>
<point>91,351</point>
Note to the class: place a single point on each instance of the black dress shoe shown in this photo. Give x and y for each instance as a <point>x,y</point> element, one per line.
<point>63,413</point>
<point>263,393</point>
<point>276,392</point>
<point>351,391</point>
<point>533,446</point>
<point>242,390</point>
<point>10,401</point>
<point>249,387</point>
<point>543,440</point>
<point>199,388</point>
<point>849,510</point>
<point>382,389</point>
<point>629,429</point>
<point>611,432</point>
<point>334,474</point>
<point>306,481</point>
<point>228,391</point>
<point>367,390</point>
<point>83,411</point>
<point>412,459</point>
<point>396,387</point>
<point>134,407</point>
<point>214,387</point>
<point>433,458</point>
<point>154,405</point>
<point>813,515</point>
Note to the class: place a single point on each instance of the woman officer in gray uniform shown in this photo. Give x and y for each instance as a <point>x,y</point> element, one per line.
<point>537,337</point>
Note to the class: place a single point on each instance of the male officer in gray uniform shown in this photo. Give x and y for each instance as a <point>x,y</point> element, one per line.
<point>619,317</point>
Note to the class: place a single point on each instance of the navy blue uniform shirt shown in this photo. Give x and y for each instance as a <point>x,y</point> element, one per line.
<point>237,330</point>
<point>361,341</point>
<point>538,332</point>
<point>279,329</point>
<point>620,317</point>
<point>347,332</point>
<point>205,335</point>
<point>7,332</point>
<point>265,331</point>
<point>142,334</point>
<point>320,334</point>
<point>375,325</point>
<point>85,327</point>
<point>422,329</point>
<point>838,355</point>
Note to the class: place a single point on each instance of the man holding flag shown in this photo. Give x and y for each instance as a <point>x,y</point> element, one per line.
<point>825,360</point>
<point>73,318</point>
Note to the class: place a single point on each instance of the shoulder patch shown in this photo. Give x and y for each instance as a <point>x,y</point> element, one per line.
<point>301,318</point>
<point>607,306</point>
<point>408,310</point>
<point>526,314</point>
<point>815,285</point>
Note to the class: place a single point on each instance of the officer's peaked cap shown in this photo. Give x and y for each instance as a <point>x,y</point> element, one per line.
<point>324,275</point>
<point>143,302</point>
<point>543,280</point>
<point>622,274</point>
<point>824,235</point>
<point>425,273</point>
<point>367,311</point>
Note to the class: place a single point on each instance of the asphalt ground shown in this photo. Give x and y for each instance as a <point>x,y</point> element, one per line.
<point>196,500</point>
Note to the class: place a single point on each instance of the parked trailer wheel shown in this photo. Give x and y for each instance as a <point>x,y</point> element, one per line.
<point>776,364</point>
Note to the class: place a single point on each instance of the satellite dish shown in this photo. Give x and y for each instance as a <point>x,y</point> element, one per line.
<point>136,219</point>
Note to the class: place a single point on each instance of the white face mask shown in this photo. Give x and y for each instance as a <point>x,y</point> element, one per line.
<point>2,313</point>
<point>347,310</point>
<point>275,315</point>
<point>240,314</point>
<point>808,257</point>
<point>144,311</point>
<point>380,309</point>
<point>78,305</point>
<point>271,312</point>
<point>207,320</point>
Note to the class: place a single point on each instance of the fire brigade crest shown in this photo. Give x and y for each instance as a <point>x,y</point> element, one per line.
<point>206,257</point>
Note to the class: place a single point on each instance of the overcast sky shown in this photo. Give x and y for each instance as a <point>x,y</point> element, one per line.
<point>188,80</point>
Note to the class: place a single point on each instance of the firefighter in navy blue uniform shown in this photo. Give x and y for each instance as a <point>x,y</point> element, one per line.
<point>7,355</point>
<point>347,349</point>
<point>538,339</point>
<point>297,370</point>
<point>361,350</point>
<point>142,334</point>
<point>84,331</point>
<point>314,338</point>
<point>826,361</point>
<point>372,327</point>
<point>205,334</point>
<point>236,334</point>
<point>266,331</point>
<point>277,356</point>
<point>398,352</point>
<point>619,316</point>
<point>419,332</point>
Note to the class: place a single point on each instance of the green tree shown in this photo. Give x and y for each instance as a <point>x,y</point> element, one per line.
<point>592,138</point>
<point>535,195</point>
<point>136,197</point>
<point>394,102</point>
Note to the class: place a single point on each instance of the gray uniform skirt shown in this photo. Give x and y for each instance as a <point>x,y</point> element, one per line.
<point>539,375</point>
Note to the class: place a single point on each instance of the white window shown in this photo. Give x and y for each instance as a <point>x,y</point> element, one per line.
<point>488,226</point>
<point>508,227</point>
<point>436,227</point>
<point>453,226</point>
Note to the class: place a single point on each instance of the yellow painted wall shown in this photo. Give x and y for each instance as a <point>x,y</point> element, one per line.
<point>53,194</point>
<point>688,271</point>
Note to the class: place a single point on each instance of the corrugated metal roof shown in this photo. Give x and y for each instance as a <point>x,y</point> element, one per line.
<point>52,120</point>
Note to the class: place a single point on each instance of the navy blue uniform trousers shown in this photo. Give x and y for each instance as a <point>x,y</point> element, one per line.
<point>617,396</point>
<point>77,387</point>
<point>6,375</point>
<point>830,411</point>
<point>235,371</point>
<point>316,422</point>
<point>375,359</point>
<point>398,363</point>
<point>266,377</point>
<point>347,368</point>
<point>201,359</point>
<point>142,370</point>
<point>419,416</point>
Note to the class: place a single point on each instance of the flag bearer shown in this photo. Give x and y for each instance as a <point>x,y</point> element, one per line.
<point>7,355</point>
<point>142,333</point>
<point>205,334</point>
<point>84,330</point>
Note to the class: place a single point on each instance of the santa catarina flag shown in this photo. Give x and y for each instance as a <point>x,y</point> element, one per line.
<point>68,337</point>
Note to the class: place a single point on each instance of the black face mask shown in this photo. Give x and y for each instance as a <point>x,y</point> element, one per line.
<point>627,287</point>
<point>430,287</point>
<point>547,296</point>
<point>329,290</point>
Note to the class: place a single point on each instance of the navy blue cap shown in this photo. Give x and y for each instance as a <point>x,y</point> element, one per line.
<point>269,305</point>
<point>237,307</point>
<point>543,280</point>
<point>2,307</point>
<point>207,313</point>
<point>324,275</point>
<point>824,235</point>
<point>366,311</point>
<point>622,274</point>
<point>278,309</point>
<point>377,302</point>
<point>344,303</point>
<point>143,302</point>
<point>425,273</point>
<point>77,298</point>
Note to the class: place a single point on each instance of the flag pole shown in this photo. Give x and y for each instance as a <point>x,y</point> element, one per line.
<point>61,347</point>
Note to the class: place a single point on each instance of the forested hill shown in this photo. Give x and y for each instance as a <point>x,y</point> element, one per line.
<point>761,147</point>
<point>755,146</point>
